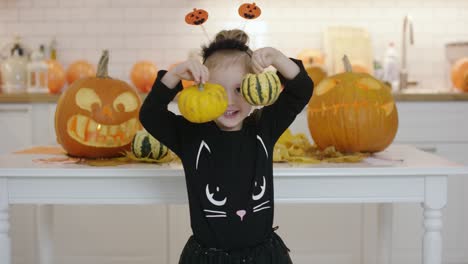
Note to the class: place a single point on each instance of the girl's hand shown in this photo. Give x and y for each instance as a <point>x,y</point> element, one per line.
<point>264,57</point>
<point>191,70</point>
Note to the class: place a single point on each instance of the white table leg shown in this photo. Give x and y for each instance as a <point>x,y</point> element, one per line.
<point>5,242</point>
<point>44,225</point>
<point>435,200</point>
<point>385,228</point>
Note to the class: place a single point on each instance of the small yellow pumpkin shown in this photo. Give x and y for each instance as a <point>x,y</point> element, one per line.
<point>261,89</point>
<point>203,103</point>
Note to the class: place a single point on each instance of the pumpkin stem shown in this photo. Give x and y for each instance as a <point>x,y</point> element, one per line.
<point>103,65</point>
<point>347,64</point>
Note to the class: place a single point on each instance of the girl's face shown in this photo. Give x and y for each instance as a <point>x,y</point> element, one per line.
<point>238,109</point>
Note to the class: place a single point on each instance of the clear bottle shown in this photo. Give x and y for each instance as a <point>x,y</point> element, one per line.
<point>53,49</point>
<point>391,67</point>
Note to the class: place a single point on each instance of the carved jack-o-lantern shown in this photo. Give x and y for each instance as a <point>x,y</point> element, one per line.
<point>97,117</point>
<point>353,112</point>
<point>249,11</point>
<point>196,17</point>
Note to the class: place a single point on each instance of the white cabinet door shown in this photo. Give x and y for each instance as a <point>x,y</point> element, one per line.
<point>432,122</point>
<point>15,127</point>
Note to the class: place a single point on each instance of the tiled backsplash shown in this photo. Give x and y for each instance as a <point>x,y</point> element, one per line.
<point>155,29</point>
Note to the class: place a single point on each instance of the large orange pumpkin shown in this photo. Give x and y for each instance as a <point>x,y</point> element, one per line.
<point>143,75</point>
<point>97,117</point>
<point>354,112</point>
<point>56,76</point>
<point>79,69</point>
<point>460,75</point>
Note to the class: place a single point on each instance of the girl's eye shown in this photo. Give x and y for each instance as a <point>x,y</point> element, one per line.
<point>238,90</point>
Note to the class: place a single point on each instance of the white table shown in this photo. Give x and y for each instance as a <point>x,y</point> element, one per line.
<point>419,178</point>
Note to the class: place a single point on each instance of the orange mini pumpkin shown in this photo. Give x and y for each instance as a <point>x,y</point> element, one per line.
<point>354,112</point>
<point>460,75</point>
<point>143,75</point>
<point>249,10</point>
<point>97,117</point>
<point>56,76</point>
<point>79,69</point>
<point>196,17</point>
<point>311,57</point>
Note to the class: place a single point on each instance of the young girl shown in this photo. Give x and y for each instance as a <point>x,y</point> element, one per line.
<point>228,162</point>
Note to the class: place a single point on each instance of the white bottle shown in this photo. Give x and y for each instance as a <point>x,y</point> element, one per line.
<point>391,67</point>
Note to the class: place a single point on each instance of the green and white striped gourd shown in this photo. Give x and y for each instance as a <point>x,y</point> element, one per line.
<point>145,146</point>
<point>261,89</point>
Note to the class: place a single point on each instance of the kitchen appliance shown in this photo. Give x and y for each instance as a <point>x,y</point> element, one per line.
<point>13,70</point>
<point>354,42</point>
<point>37,72</point>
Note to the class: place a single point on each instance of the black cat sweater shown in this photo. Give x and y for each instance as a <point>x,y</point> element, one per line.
<point>229,174</point>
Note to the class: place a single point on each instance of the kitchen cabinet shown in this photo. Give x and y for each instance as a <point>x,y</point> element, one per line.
<point>24,125</point>
<point>16,128</point>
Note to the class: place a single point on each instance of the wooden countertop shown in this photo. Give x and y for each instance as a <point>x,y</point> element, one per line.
<point>422,97</point>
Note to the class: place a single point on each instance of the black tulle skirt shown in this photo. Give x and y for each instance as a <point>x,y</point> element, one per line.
<point>271,251</point>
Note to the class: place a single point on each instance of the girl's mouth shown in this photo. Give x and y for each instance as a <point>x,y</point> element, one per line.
<point>231,113</point>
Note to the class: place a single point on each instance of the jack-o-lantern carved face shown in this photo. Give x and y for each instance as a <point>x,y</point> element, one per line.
<point>353,112</point>
<point>97,117</point>
<point>196,17</point>
<point>249,11</point>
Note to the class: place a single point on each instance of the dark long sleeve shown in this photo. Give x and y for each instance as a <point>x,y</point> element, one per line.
<point>277,117</point>
<point>161,123</point>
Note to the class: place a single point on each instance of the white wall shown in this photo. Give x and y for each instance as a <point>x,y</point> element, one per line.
<point>155,29</point>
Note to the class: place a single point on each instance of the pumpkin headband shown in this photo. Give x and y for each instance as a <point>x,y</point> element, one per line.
<point>198,17</point>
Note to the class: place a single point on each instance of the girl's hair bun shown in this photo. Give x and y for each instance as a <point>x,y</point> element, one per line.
<point>234,39</point>
<point>234,34</point>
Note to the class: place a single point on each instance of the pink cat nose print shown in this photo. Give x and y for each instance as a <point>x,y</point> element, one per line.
<point>241,213</point>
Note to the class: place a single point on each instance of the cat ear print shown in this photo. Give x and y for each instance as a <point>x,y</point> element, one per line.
<point>249,11</point>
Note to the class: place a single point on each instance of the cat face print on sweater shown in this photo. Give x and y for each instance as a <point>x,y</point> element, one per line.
<point>221,202</point>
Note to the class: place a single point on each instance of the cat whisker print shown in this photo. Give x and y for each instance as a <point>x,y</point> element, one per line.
<point>214,213</point>
<point>259,207</point>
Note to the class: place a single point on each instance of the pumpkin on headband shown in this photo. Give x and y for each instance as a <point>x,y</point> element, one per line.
<point>196,17</point>
<point>249,11</point>
<point>97,117</point>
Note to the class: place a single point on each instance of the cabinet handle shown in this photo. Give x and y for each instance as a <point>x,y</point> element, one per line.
<point>19,110</point>
<point>428,149</point>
